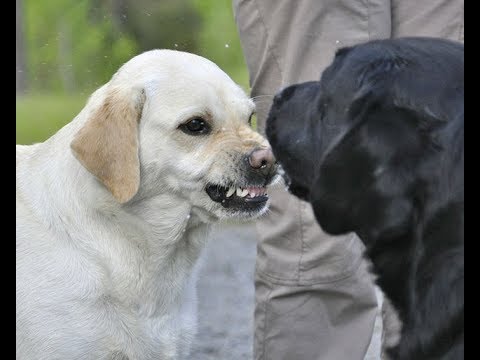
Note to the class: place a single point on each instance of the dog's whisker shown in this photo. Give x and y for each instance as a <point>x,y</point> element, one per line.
<point>263,102</point>
<point>254,98</point>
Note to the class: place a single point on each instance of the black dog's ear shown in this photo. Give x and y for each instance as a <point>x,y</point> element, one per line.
<point>367,167</point>
<point>388,83</point>
<point>374,83</point>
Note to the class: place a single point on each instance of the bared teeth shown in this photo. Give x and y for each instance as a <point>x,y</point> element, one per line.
<point>241,192</point>
<point>251,191</point>
<point>230,192</point>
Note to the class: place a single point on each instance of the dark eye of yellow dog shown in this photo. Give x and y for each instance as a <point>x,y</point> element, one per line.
<point>195,126</point>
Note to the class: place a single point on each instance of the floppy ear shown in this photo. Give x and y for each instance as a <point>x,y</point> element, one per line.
<point>373,85</point>
<point>393,81</point>
<point>107,145</point>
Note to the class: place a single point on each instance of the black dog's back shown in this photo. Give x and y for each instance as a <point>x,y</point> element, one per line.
<point>393,172</point>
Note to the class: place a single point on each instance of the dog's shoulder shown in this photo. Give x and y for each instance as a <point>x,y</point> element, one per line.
<point>26,219</point>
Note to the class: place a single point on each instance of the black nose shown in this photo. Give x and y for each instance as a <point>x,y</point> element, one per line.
<point>262,159</point>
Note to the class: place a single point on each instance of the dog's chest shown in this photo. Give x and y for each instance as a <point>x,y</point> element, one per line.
<point>141,334</point>
<point>146,326</point>
<point>158,319</point>
<point>111,306</point>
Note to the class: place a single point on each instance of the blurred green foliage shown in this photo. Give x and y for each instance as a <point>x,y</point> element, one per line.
<point>72,47</point>
<point>41,115</point>
<point>162,24</point>
<point>219,38</point>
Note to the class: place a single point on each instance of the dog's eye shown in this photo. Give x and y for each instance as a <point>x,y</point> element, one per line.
<point>195,126</point>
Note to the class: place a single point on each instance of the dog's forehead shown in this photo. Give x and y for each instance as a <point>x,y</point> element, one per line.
<point>188,77</point>
<point>176,66</point>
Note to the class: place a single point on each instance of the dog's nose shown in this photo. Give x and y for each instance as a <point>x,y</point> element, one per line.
<point>262,159</point>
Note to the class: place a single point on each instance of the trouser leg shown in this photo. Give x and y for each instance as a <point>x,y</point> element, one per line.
<point>314,296</point>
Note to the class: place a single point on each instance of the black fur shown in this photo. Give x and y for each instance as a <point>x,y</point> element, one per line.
<point>377,147</point>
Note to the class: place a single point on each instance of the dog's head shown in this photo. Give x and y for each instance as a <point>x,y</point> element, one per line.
<point>375,134</point>
<point>173,122</point>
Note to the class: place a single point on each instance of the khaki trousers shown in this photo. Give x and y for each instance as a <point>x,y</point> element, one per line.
<point>314,296</point>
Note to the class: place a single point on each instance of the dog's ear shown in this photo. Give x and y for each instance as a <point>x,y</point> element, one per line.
<point>374,82</point>
<point>107,145</point>
<point>393,82</point>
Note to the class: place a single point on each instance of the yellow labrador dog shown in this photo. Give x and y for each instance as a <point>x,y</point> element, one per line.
<point>114,210</point>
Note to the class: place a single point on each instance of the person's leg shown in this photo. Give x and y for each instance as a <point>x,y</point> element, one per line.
<point>314,296</point>
<point>286,41</point>
<point>437,18</point>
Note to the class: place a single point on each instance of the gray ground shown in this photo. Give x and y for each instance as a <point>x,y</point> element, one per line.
<point>226,298</point>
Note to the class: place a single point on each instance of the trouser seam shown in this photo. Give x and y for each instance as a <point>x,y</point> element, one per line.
<point>291,282</point>
<point>368,20</point>
<point>302,238</point>
<point>462,24</point>
<point>275,57</point>
<point>264,341</point>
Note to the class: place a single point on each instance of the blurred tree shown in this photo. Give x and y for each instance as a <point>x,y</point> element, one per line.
<point>20,49</point>
<point>76,45</point>
<point>162,24</point>
<point>69,48</point>
<point>218,40</point>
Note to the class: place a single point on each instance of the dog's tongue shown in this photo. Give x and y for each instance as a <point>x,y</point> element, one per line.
<point>256,191</point>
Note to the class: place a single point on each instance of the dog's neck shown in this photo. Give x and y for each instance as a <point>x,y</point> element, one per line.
<point>400,259</point>
<point>151,230</point>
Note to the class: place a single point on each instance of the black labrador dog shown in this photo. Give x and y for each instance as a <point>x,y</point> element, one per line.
<point>377,147</point>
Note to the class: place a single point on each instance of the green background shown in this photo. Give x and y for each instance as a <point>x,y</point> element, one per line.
<point>66,49</point>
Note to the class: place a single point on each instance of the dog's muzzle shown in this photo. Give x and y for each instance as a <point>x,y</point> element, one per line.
<point>260,168</point>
